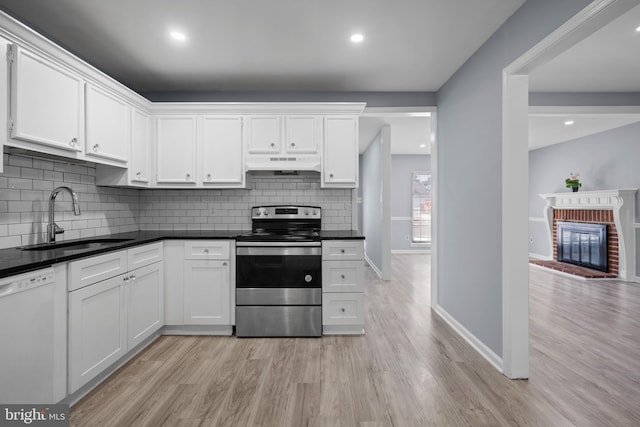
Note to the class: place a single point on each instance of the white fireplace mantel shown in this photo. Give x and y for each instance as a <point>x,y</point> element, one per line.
<point>623,205</point>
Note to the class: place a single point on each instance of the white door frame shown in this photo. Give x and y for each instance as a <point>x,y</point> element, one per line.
<point>515,161</point>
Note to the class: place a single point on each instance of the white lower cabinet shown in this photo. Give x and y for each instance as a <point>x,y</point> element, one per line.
<point>206,292</point>
<point>111,315</point>
<point>97,329</point>
<point>342,287</point>
<point>145,303</point>
<point>343,308</point>
<point>199,291</point>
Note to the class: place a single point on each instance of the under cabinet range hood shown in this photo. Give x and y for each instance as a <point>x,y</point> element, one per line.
<point>283,163</point>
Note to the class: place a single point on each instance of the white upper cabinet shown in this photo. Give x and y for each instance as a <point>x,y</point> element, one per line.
<point>140,148</point>
<point>340,160</point>
<point>264,134</point>
<point>302,134</point>
<point>47,103</point>
<point>221,159</point>
<point>107,127</point>
<point>176,141</point>
<point>283,134</point>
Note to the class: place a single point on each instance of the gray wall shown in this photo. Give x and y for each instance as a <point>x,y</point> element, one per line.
<point>371,183</point>
<point>402,166</point>
<point>469,171</point>
<point>605,161</point>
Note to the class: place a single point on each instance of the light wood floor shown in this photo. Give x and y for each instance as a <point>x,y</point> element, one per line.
<point>410,369</point>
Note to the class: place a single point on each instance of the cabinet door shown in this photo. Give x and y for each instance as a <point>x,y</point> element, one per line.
<point>342,276</point>
<point>263,134</point>
<point>140,147</point>
<point>221,155</point>
<point>302,134</point>
<point>107,127</point>
<point>46,102</point>
<point>176,149</point>
<point>97,329</point>
<point>145,303</point>
<point>343,308</point>
<point>340,160</point>
<point>206,293</point>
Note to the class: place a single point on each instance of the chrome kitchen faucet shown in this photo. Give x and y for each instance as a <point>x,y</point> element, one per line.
<point>53,228</point>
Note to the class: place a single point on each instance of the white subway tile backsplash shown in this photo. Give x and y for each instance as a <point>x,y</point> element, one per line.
<point>26,184</point>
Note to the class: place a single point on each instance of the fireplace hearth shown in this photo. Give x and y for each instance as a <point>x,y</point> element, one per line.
<point>582,244</point>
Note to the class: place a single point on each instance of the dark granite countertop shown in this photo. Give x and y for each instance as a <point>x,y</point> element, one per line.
<point>15,261</point>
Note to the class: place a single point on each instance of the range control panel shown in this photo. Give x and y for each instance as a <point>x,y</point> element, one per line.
<point>286,212</point>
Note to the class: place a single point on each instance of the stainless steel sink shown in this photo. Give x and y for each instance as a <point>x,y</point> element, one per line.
<point>74,245</point>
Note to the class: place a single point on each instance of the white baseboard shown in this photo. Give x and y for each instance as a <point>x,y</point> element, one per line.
<point>223,330</point>
<point>540,257</point>
<point>478,345</point>
<point>372,265</point>
<point>410,251</point>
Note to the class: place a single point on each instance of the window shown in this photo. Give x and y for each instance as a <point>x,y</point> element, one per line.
<point>421,200</point>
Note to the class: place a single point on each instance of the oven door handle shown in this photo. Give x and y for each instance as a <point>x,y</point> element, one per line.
<point>275,244</point>
<point>278,251</point>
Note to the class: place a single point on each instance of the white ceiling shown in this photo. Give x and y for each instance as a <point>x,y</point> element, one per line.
<point>548,128</point>
<point>407,133</point>
<point>606,61</point>
<point>413,45</point>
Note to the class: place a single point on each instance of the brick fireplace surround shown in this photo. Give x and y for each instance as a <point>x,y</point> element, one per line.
<point>615,208</point>
<point>590,216</point>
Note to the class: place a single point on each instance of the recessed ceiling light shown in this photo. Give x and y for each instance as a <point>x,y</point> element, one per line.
<point>423,145</point>
<point>357,38</point>
<point>638,29</point>
<point>568,122</point>
<point>178,35</point>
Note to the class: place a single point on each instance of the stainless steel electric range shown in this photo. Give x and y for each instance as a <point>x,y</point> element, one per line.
<point>279,273</point>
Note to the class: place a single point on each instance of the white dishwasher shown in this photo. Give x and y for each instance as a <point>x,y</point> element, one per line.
<point>29,325</point>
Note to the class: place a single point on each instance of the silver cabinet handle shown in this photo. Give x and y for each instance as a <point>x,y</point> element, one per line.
<point>330,177</point>
<point>95,148</point>
<point>341,251</point>
<point>342,310</point>
<point>139,174</point>
<point>125,280</point>
<point>342,277</point>
<point>132,277</point>
<point>73,142</point>
<point>206,251</point>
<point>224,264</point>
<point>188,177</point>
<point>293,145</point>
<point>273,145</point>
<point>208,177</point>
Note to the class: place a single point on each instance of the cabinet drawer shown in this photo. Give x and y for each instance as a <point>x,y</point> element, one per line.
<point>342,308</point>
<point>145,255</point>
<point>342,276</point>
<point>206,249</point>
<point>95,269</point>
<point>339,250</point>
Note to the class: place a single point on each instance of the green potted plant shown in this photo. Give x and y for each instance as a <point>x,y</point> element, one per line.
<point>573,182</point>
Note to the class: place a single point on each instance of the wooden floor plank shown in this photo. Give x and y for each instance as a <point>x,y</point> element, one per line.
<point>410,369</point>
